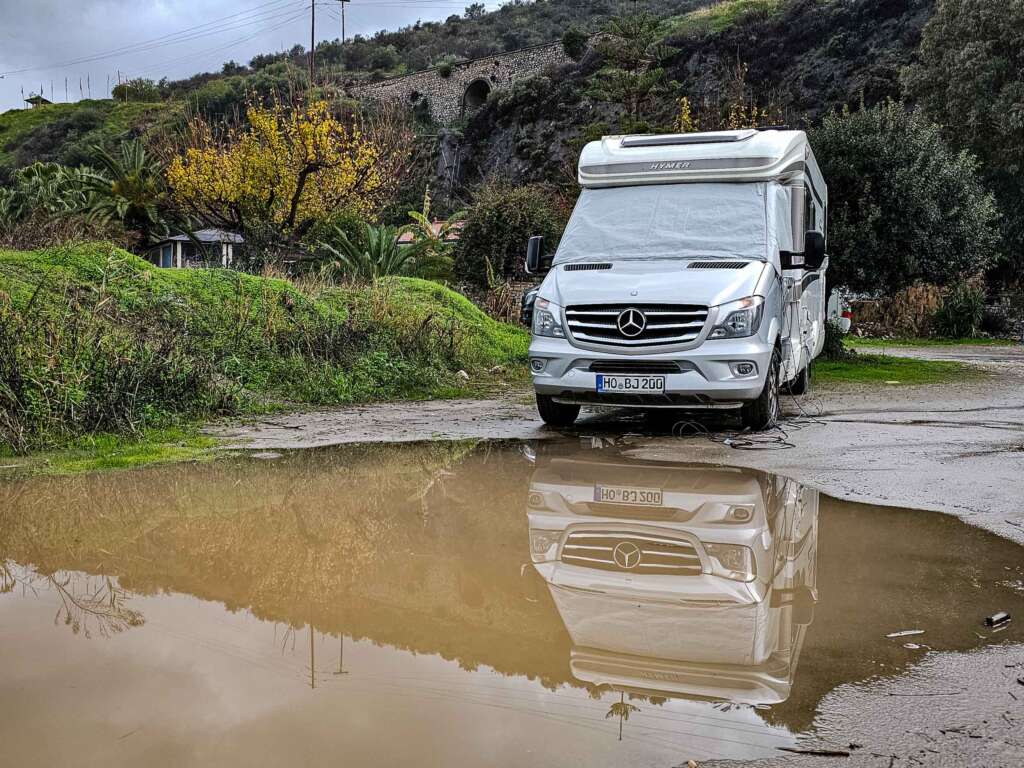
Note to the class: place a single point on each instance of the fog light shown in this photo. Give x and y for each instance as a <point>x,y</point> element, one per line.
<point>744,369</point>
<point>537,365</point>
<point>741,512</point>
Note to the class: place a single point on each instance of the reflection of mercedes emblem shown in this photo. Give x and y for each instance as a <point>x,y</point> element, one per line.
<point>631,322</point>
<point>626,555</point>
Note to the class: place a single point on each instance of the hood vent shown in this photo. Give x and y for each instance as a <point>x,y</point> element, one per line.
<point>585,266</point>
<point>717,264</point>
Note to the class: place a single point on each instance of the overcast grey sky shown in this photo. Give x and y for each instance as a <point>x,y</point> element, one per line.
<point>42,42</point>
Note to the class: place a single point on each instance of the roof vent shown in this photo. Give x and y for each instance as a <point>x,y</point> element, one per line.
<point>717,264</point>
<point>674,139</point>
<point>585,266</point>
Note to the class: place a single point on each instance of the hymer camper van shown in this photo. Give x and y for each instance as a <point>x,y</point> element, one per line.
<point>690,276</point>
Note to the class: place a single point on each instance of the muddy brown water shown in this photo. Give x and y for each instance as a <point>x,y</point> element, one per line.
<point>461,604</point>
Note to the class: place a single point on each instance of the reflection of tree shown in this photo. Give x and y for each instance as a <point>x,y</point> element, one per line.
<point>621,709</point>
<point>416,546</point>
<point>88,604</point>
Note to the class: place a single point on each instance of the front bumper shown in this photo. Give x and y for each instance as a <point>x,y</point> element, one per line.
<point>707,378</point>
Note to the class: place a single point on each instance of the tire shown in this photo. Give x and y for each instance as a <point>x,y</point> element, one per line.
<point>763,413</point>
<point>556,414</point>
<point>801,385</point>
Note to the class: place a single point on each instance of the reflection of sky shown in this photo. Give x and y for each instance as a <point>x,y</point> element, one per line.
<point>40,34</point>
<point>199,684</point>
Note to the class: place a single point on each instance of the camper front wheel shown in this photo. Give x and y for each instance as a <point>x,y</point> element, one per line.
<point>764,412</point>
<point>556,414</point>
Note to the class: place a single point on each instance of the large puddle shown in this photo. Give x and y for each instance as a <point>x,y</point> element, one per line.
<point>461,604</point>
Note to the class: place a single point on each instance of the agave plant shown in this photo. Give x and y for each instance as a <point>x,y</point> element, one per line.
<point>128,187</point>
<point>379,255</point>
<point>47,187</point>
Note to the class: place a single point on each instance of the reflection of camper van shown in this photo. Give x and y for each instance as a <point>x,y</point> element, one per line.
<point>690,276</point>
<point>674,579</point>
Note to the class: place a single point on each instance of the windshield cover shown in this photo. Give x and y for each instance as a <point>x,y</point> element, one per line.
<point>660,221</point>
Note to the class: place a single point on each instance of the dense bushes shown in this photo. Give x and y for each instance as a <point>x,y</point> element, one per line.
<point>903,206</point>
<point>492,244</point>
<point>968,79</point>
<point>96,340</point>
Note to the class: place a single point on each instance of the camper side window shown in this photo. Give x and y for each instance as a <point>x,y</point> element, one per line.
<point>810,214</point>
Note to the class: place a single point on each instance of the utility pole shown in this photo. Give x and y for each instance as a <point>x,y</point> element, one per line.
<point>312,40</point>
<point>343,22</point>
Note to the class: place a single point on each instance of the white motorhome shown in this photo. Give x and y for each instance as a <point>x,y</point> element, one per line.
<point>690,276</point>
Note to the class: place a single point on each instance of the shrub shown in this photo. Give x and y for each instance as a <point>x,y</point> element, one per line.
<point>961,312</point>
<point>492,244</point>
<point>574,43</point>
<point>903,205</point>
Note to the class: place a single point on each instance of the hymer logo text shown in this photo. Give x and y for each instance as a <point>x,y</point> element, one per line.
<point>675,165</point>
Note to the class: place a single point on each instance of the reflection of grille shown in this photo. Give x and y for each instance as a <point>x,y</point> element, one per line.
<point>663,324</point>
<point>657,553</point>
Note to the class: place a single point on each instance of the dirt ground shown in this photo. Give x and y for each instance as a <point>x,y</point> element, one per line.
<point>955,448</point>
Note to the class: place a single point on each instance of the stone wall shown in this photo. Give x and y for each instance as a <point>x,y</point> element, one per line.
<point>466,88</point>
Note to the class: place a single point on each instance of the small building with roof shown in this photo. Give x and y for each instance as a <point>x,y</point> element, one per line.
<point>203,248</point>
<point>35,100</point>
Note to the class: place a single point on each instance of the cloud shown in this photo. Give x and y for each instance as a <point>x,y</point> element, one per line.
<point>56,39</point>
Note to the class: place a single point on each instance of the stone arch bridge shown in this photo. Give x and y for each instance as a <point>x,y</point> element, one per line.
<point>466,88</point>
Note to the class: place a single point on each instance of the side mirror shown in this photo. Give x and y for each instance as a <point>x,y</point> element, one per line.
<point>535,255</point>
<point>814,249</point>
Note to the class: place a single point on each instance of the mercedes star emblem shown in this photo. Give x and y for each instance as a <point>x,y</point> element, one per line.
<point>626,555</point>
<point>631,323</point>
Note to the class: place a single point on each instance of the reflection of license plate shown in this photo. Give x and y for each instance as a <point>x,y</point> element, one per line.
<point>630,383</point>
<point>623,494</point>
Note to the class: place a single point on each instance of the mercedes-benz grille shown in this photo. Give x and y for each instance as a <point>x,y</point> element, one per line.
<point>636,325</point>
<point>624,551</point>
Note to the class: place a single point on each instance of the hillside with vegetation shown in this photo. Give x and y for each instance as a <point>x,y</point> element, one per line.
<point>924,173</point>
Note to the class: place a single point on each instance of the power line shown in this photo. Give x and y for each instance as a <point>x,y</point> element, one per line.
<point>260,14</point>
<point>221,47</point>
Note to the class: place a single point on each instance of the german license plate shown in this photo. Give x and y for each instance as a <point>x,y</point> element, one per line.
<point>639,384</point>
<point>624,494</point>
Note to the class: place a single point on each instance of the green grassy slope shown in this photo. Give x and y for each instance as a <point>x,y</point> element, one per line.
<point>101,341</point>
<point>87,121</point>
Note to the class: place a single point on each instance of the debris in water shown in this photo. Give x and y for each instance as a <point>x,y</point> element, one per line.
<point>906,632</point>
<point>911,646</point>
<point>997,618</point>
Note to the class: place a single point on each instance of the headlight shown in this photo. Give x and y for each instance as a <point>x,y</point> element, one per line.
<point>732,561</point>
<point>739,318</point>
<point>543,544</point>
<point>545,319</point>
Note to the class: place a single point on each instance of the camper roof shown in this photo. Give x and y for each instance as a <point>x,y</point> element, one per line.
<point>747,155</point>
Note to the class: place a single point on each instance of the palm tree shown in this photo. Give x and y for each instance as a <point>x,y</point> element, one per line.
<point>621,709</point>
<point>128,187</point>
<point>433,248</point>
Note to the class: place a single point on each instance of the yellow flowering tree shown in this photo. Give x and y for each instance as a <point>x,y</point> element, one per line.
<point>285,171</point>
